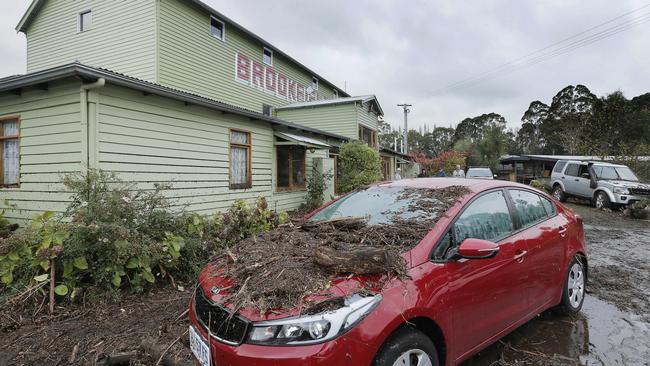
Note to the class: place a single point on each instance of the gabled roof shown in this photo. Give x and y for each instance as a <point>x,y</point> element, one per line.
<point>334,101</point>
<point>36,5</point>
<point>89,73</point>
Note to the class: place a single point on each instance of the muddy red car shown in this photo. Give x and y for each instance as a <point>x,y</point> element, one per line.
<point>502,254</point>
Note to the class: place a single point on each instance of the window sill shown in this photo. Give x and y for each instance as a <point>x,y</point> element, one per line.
<point>289,190</point>
<point>240,186</point>
<point>9,186</point>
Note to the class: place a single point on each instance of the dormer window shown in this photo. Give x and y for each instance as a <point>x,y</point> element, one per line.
<point>217,28</point>
<point>85,21</point>
<point>267,56</point>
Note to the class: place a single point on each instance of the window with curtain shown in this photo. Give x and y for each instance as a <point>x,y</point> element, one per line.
<point>291,167</point>
<point>10,159</point>
<point>240,160</point>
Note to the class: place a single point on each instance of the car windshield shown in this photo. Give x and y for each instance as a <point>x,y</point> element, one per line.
<point>615,173</point>
<point>479,173</point>
<point>380,205</point>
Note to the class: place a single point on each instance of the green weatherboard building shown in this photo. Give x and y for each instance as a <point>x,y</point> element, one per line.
<point>168,91</point>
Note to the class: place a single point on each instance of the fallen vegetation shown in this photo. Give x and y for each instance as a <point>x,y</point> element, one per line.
<point>283,268</point>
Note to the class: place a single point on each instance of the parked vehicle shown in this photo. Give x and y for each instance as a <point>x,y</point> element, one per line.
<point>605,184</point>
<point>501,255</point>
<point>480,172</point>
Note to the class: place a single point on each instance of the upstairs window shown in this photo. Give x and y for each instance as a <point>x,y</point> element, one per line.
<point>85,21</point>
<point>267,56</point>
<point>335,93</point>
<point>240,160</point>
<point>217,28</point>
<point>368,136</point>
<point>9,152</point>
<point>291,167</point>
<point>267,110</point>
<point>314,83</point>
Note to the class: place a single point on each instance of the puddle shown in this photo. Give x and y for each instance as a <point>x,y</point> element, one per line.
<point>600,335</point>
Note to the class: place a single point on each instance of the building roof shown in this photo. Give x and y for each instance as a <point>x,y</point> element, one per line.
<point>334,101</point>
<point>88,73</point>
<point>36,5</point>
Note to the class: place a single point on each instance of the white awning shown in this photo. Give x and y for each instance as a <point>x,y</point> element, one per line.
<point>292,139</point>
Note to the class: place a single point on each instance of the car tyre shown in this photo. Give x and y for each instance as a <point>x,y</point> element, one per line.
<point>574,289</point>
<point>558,193</point>
<point>601,200</point>
<point>407,347</point>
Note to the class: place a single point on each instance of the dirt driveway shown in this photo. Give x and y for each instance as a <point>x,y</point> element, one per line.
<point>614,326</point>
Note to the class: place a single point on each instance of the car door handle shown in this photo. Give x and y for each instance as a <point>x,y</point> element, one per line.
<point>561,177</point>
<point>563,231</point>
<point>577,180</point>
<point>520,255</point>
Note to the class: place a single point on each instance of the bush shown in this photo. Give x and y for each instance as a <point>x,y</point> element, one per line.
<point>361,165</point>
<point>115,236</point>
<point>316,186</point>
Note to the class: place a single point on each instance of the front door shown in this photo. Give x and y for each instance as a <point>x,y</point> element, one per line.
<point>487,295</point>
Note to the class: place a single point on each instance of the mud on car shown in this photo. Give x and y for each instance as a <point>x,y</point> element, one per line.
<point>606,185</point>
<point>466,270</point>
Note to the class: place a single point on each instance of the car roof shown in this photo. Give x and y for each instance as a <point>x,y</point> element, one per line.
<point>475,185</point>
<point>600,163</point>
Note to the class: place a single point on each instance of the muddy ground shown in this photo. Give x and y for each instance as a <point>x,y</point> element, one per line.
<point>613,328</point>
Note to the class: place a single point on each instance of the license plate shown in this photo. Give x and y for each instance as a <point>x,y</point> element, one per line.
<point>199,347</point>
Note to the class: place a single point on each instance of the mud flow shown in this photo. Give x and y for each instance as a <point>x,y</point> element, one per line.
<point>614,325</point>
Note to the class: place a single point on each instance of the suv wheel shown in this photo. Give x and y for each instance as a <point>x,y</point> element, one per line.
<point>407,347</point>
<point>573,294</point>
<point>558,193</point>
<point>601,200</point>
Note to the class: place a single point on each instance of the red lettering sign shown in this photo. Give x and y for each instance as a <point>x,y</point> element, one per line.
<point>270,79</point>
<point>283,86</point>
<point>300,90</point>
<point>258,75</point>
<point>293,93</point>
<point>243,68</point>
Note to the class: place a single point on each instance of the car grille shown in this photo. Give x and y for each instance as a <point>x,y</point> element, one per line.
<point>639,191</point>
<point>228,329</point>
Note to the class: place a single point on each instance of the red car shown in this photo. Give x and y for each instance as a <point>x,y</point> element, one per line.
<point>502,254</point>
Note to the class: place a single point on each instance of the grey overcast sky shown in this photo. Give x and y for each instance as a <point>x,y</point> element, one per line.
<point>408,51</point>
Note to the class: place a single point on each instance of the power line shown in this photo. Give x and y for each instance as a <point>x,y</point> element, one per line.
<point>527,60</point>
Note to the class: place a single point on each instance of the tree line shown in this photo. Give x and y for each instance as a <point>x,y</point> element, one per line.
<point>576,122</point>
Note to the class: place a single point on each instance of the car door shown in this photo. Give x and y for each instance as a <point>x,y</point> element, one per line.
<point>583,182</point>
<point>544,232</point>
<point>487,295</point>
<point>569,178</point>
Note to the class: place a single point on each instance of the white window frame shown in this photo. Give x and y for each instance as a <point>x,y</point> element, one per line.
<point>314,83</point>
<point>80,23</point>
<point>335,93</point>
<point>223,28</point>
<point>264,49</point>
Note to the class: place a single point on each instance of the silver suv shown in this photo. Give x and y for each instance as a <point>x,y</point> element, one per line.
<point>605,184</point>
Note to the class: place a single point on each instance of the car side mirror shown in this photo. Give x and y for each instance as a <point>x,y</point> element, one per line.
<point>472,248</point>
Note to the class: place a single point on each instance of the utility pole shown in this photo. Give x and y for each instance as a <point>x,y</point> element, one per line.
<point>407,110</point>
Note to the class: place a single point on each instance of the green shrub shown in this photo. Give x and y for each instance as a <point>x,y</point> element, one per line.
<point>316,187</point>
<point>360,166</point>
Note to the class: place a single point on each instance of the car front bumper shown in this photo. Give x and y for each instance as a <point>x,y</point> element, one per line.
<point>344,350</point>
<point>627,199</point>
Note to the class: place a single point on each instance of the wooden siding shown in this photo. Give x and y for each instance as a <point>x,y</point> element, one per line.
<point>148,140</point>
<point>340,119</point>
<point>191,59</point>
<point>122,37</point>
<point>368,119</point>
<point>50,146</point>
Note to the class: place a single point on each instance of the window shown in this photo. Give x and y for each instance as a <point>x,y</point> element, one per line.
<point>558,166</point>
<point>442,249</point>
<point>217,28</point>
<point>335,93</point>
<point>240,159</point>
<point>85,20</point>
<point>572,170</point>
<point>486,218</point>
<point>267,110</point>
<point>9,153</point>
<point>291,167</point>
<point>368,136</point>
<point>584,170</point>
<point>267,56</point>
<point>529,206</point>
<point>548,206</point>
<point>314,83</point>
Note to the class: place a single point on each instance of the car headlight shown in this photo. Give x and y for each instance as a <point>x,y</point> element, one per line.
<point>621,190</point>
<point>313,328</point>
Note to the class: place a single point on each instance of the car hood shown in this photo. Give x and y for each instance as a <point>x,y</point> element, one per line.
<point>218,288</point>
<point>628,184</point>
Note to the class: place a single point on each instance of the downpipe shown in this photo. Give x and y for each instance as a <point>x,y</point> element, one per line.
<point>85,131</point>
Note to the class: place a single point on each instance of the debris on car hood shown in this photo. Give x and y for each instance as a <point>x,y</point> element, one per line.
<point>295,265</point>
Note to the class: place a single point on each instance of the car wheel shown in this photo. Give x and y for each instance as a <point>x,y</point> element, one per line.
<point>559,194</point>
<point>407,347</point>
<point>573,294</point>
<point>601,200</point>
